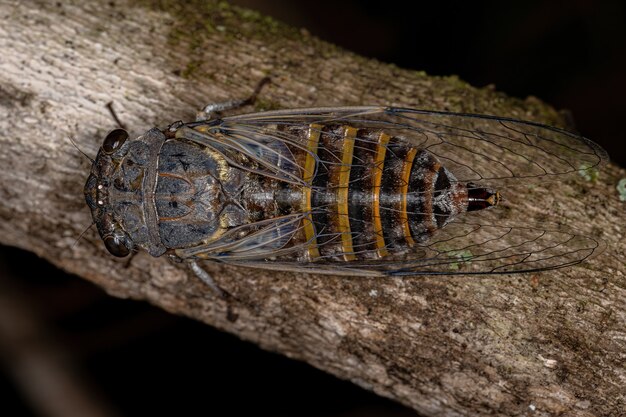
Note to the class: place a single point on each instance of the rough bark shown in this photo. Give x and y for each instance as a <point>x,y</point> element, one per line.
<point>551,343</point>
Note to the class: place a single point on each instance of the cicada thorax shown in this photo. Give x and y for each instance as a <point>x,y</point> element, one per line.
<point>188,193</point>
<point>200,196</point>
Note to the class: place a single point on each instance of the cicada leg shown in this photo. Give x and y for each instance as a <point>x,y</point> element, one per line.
<point>210,110</point>
<point>114,115</point>
<point>206,278</point>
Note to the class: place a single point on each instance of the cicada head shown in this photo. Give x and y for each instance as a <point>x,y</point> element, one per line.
<point>114,192</point>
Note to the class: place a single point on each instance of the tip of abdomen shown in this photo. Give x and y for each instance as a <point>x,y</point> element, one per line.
<point>479,198</point>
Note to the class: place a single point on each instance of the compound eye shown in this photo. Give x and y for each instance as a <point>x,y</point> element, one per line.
<point>116,247</point>
<point>114,140</point>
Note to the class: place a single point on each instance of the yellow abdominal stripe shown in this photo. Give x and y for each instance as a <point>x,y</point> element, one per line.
<point>379,163</point>
<point>404,189</point>
<point>343,225</point>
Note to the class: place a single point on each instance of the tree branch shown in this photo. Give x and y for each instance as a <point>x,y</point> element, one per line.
<point>551,342</point>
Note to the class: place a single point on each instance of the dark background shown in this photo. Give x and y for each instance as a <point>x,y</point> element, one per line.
<point>569,54</point>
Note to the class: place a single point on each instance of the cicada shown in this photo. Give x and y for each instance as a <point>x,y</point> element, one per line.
<point>349,190</point>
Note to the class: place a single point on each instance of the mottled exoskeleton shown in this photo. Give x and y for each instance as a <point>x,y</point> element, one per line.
<point>350,190</point>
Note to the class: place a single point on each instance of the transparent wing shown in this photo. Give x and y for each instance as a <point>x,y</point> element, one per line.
<point>469,247</point>
<point>462,247</point>
<point>476,148</point>
<point>485,150</point>
<point>264,153</point>
<point>253,241</point>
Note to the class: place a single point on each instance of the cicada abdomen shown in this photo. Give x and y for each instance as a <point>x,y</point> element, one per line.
<point>362,190</point>
<point>369,194</point>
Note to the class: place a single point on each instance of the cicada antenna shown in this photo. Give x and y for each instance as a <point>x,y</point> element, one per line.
<point>80,150</point>
<point>82,234</point>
